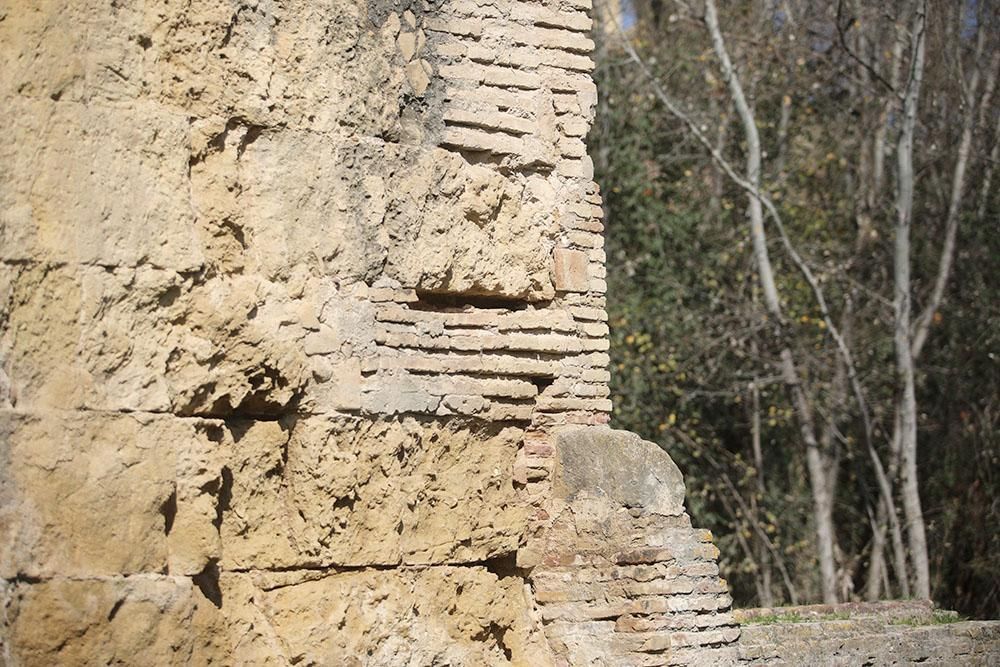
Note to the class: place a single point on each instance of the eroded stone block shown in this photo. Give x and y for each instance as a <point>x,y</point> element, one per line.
<point>90,184</point>
<point>154,620</point>
<point>360,492</point>
<point>88,494</point>
<point>570,270</point>
<point>149,340</point>
<point>621,467</point>
<point>437,615</point>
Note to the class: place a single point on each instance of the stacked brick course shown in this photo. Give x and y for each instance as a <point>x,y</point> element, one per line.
<point>618,572</point>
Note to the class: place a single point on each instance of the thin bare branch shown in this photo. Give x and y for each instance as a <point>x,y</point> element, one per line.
<point>921,327</point>
<point>842,34</point>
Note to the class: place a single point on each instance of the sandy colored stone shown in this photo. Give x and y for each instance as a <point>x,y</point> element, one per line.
<point>149,340</point>
<point>407,44</point>
<point>424,218</point>
<point>417,76</point>
<point>434,616</point>
<point>361,492</point>
<point>77,188</point>
<point>621,466</point>
<point>320,64</point>
<point>570,270</point>
<point>492,241</point>
<point>283,344</point>
<point>125,621</point>
<point>348,383</point>
<point>103,98</point>
<point>103,494</point>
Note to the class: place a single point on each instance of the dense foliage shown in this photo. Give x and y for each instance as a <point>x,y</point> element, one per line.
<point>694,360</point>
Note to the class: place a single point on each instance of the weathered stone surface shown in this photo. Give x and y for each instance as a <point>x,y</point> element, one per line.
<point>104,97</point>
<point>432,616</point>
<point>871,641</point>
<point>320,65</point>
<point>307,492</point>
<point>889,611</point>
<point>619,574</point>
<point>424,218</point>
<point>570,267</point>
<point>294,297</point>
<point>97,494</point>
<point>75,188</point>
<point>137,620</point>
<point>471,231</point>
<point>147,339</point>
<point>621,466</point>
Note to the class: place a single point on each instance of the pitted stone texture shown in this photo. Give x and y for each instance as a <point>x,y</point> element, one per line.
<point>203,209</point>
<point>308,492</point>
<point>104,494</point>
<point>423,218</point>
<point>433,616</point>
<point>621,466</point>
<point>317,65</point>
<point>115,103</point>
<point>148,340</point>
<point>138,620</point>
<point>75,188</point>
<point>97,494</point>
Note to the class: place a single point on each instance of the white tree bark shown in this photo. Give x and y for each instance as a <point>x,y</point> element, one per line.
<point>916,531</point>
<point>822,490</point>
<point>765,593</point>
<point>885,486</point>
<point>887,516</point>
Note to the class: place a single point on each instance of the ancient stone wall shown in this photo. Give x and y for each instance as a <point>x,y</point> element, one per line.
<point>303,346</point>
<point>888,633</point>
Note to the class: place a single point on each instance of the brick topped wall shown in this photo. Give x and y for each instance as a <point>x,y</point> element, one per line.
<point>300,304</point>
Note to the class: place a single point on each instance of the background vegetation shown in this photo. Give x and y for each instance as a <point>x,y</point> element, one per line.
<point>697,354</point>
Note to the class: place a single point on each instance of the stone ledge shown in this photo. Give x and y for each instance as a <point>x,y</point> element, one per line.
<point>871,633</point>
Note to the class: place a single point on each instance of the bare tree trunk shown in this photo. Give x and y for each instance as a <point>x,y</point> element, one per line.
<point>877,567</point>
<point>764,587</point>
<point>821,492</point>
<point>888,518</point>
<point>916,530</point>
<point>916,337</point>
<point>984,194</point>
<point>822,500</point>
<point>830,443</point>
<point>991,162</point>
<point>871,178</point>
<point>718,178</point>
<point>891,102</point>
<point>783,122</point>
